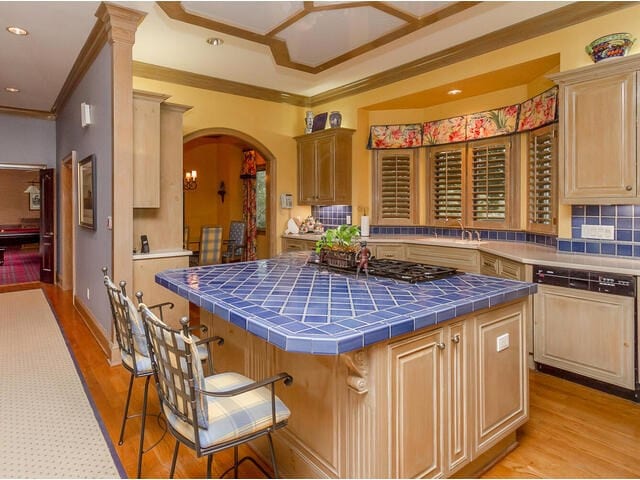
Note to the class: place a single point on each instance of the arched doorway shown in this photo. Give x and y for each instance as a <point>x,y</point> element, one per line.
<point>218,154</point>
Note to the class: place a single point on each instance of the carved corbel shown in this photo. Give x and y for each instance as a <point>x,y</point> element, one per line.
<point>358,365</point>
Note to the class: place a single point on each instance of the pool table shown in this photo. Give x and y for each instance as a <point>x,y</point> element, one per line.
<point>18,236</point>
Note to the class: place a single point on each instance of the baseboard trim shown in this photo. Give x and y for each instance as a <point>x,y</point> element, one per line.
<point>111,351</point>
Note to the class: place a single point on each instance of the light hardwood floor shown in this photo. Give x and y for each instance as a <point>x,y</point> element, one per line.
<point>573,431</point>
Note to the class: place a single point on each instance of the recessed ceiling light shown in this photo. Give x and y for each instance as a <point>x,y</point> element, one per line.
<point>11,89</point>
<point>215,41</point>
<point>17,30</point>
<point>455,91</point>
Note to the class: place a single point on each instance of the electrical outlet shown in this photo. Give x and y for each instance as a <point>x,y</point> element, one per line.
<point>601,232</point>
<point>502,342</point>
<point>88,294</point>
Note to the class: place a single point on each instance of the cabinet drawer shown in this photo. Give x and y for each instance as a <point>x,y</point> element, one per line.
<point>297,245</point>
<point>389,251</point>
<point>464,259</point>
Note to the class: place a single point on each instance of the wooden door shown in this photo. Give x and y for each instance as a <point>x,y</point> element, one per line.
<point>47,212</point>
<point>600,139</point>
<point>501,375</point>
<point>325,170</point>
<point>457,347</point>
<point>306,172</point>
<point>417,389</point>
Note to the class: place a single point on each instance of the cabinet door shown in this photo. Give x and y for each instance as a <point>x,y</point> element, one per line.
<point>588,333</point>
<point>306,172</point>
<point>501,375</point>
<point>146,150</point>
<point>457,346</point>
<point>417,406</point>
<point>600,139</point>
<point>325,170</point>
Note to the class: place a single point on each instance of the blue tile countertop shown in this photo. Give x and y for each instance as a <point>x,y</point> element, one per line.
<point>299,308</point>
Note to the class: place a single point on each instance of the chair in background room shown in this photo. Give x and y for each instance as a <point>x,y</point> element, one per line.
<point>212,413</point>
<point>236,244</point>
<point>210,245</point>
<point>134,350</point>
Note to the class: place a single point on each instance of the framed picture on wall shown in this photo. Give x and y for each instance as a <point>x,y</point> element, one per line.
<point>87,192</point>
<point>34,200</point>
<point>319,122</point>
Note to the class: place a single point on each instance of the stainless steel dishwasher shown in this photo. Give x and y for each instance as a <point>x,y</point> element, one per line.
<point>585,328</point>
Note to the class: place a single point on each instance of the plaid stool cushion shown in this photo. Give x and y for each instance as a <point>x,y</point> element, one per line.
<point>231,417</point>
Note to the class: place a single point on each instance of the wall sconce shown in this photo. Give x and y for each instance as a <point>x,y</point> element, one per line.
<point>86,115</point>
<point>191,180</point>
<point>222,191</point>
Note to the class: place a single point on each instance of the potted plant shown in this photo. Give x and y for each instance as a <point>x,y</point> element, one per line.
<point>338,246</point>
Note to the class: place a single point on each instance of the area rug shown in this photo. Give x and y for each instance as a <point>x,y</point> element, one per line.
<point>20,266</point>
<point>49,427</point>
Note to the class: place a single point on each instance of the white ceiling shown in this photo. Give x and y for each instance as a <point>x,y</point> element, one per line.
<point>39,63</point>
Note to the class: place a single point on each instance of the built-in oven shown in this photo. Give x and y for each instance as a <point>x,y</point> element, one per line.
<point>585,328</point>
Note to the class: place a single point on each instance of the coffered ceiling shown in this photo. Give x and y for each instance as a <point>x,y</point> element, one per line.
<point>301,52</point>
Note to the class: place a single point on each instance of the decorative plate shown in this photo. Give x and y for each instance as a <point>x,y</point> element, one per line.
<point>610,46</point>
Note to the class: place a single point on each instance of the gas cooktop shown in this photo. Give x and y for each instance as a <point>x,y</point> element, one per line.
<point>408,271</point>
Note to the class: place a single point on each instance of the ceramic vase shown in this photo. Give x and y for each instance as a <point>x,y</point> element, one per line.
<point>335,119</point>
<point>308,122</point>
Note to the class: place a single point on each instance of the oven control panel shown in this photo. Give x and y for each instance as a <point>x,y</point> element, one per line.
<point>612,283</point>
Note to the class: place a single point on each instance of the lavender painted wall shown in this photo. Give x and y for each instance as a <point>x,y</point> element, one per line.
<point>27,140</point>
<point>93,247</point>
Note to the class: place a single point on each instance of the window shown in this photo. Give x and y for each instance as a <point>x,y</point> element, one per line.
<point>261,199</point>
<point>542,177</point>
<point>395,187</point>
<point>473,183</point>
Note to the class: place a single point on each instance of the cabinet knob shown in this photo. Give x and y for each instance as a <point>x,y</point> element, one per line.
<point>456,338</point>
<point>628,188</point>
<point>440,345</point>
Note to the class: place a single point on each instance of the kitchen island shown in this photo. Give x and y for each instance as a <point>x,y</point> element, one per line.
<point>390,379</point>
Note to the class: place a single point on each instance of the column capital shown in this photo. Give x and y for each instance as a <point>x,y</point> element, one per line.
<point>120,23</point>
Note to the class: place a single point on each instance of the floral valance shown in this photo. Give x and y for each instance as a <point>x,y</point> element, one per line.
<point>533,113</point>
<point>395,136</point>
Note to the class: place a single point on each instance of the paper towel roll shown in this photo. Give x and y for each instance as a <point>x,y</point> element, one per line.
<point>364,226</point>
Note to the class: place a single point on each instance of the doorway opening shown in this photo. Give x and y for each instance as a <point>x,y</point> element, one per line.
<point>218,156</point>
<point>67,215</point>
<point>20,256</point>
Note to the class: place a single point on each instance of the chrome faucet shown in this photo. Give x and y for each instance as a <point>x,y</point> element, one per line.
<point>477,234</point>
<point>464,230</point>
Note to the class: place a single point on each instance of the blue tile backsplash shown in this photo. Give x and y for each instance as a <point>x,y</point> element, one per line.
<point>331,216</point>
<point>625,220</point>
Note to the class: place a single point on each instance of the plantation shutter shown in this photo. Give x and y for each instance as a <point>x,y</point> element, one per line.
<point>541,196</point>
<point>396,186</point>
<point>489,182</point>
<point>447,184</point>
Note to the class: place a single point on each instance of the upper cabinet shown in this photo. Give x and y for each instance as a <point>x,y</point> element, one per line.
<point>324,167</point>
<point>599,133</point>
<point>146,149</point>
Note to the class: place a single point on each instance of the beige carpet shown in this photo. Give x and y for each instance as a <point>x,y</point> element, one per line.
<point>48,428</point>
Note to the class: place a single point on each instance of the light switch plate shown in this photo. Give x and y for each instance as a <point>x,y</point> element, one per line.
<point>601,232</point>
<point>502,342</point>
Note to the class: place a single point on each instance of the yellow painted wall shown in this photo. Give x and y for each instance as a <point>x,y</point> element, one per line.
<point>274,124</point>
<point>203,206</point>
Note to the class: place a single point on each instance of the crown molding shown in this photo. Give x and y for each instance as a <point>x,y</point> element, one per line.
<point>549,22</point>
<point>25,112</point>
<point>114,23</point>
<point>180,77</point>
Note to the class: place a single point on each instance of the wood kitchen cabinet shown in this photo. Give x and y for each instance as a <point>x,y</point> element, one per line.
<point>393,251</point>
<point>324,167</point>
<point>146,148</point>
<point>297,244</point>
<point>464,259</point>
<point>429,395</point>
<point>496,266</point>
<point>501,375</point>
<point>598,132</point>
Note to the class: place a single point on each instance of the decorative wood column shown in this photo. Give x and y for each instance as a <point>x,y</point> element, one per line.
<point>120,25</point>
